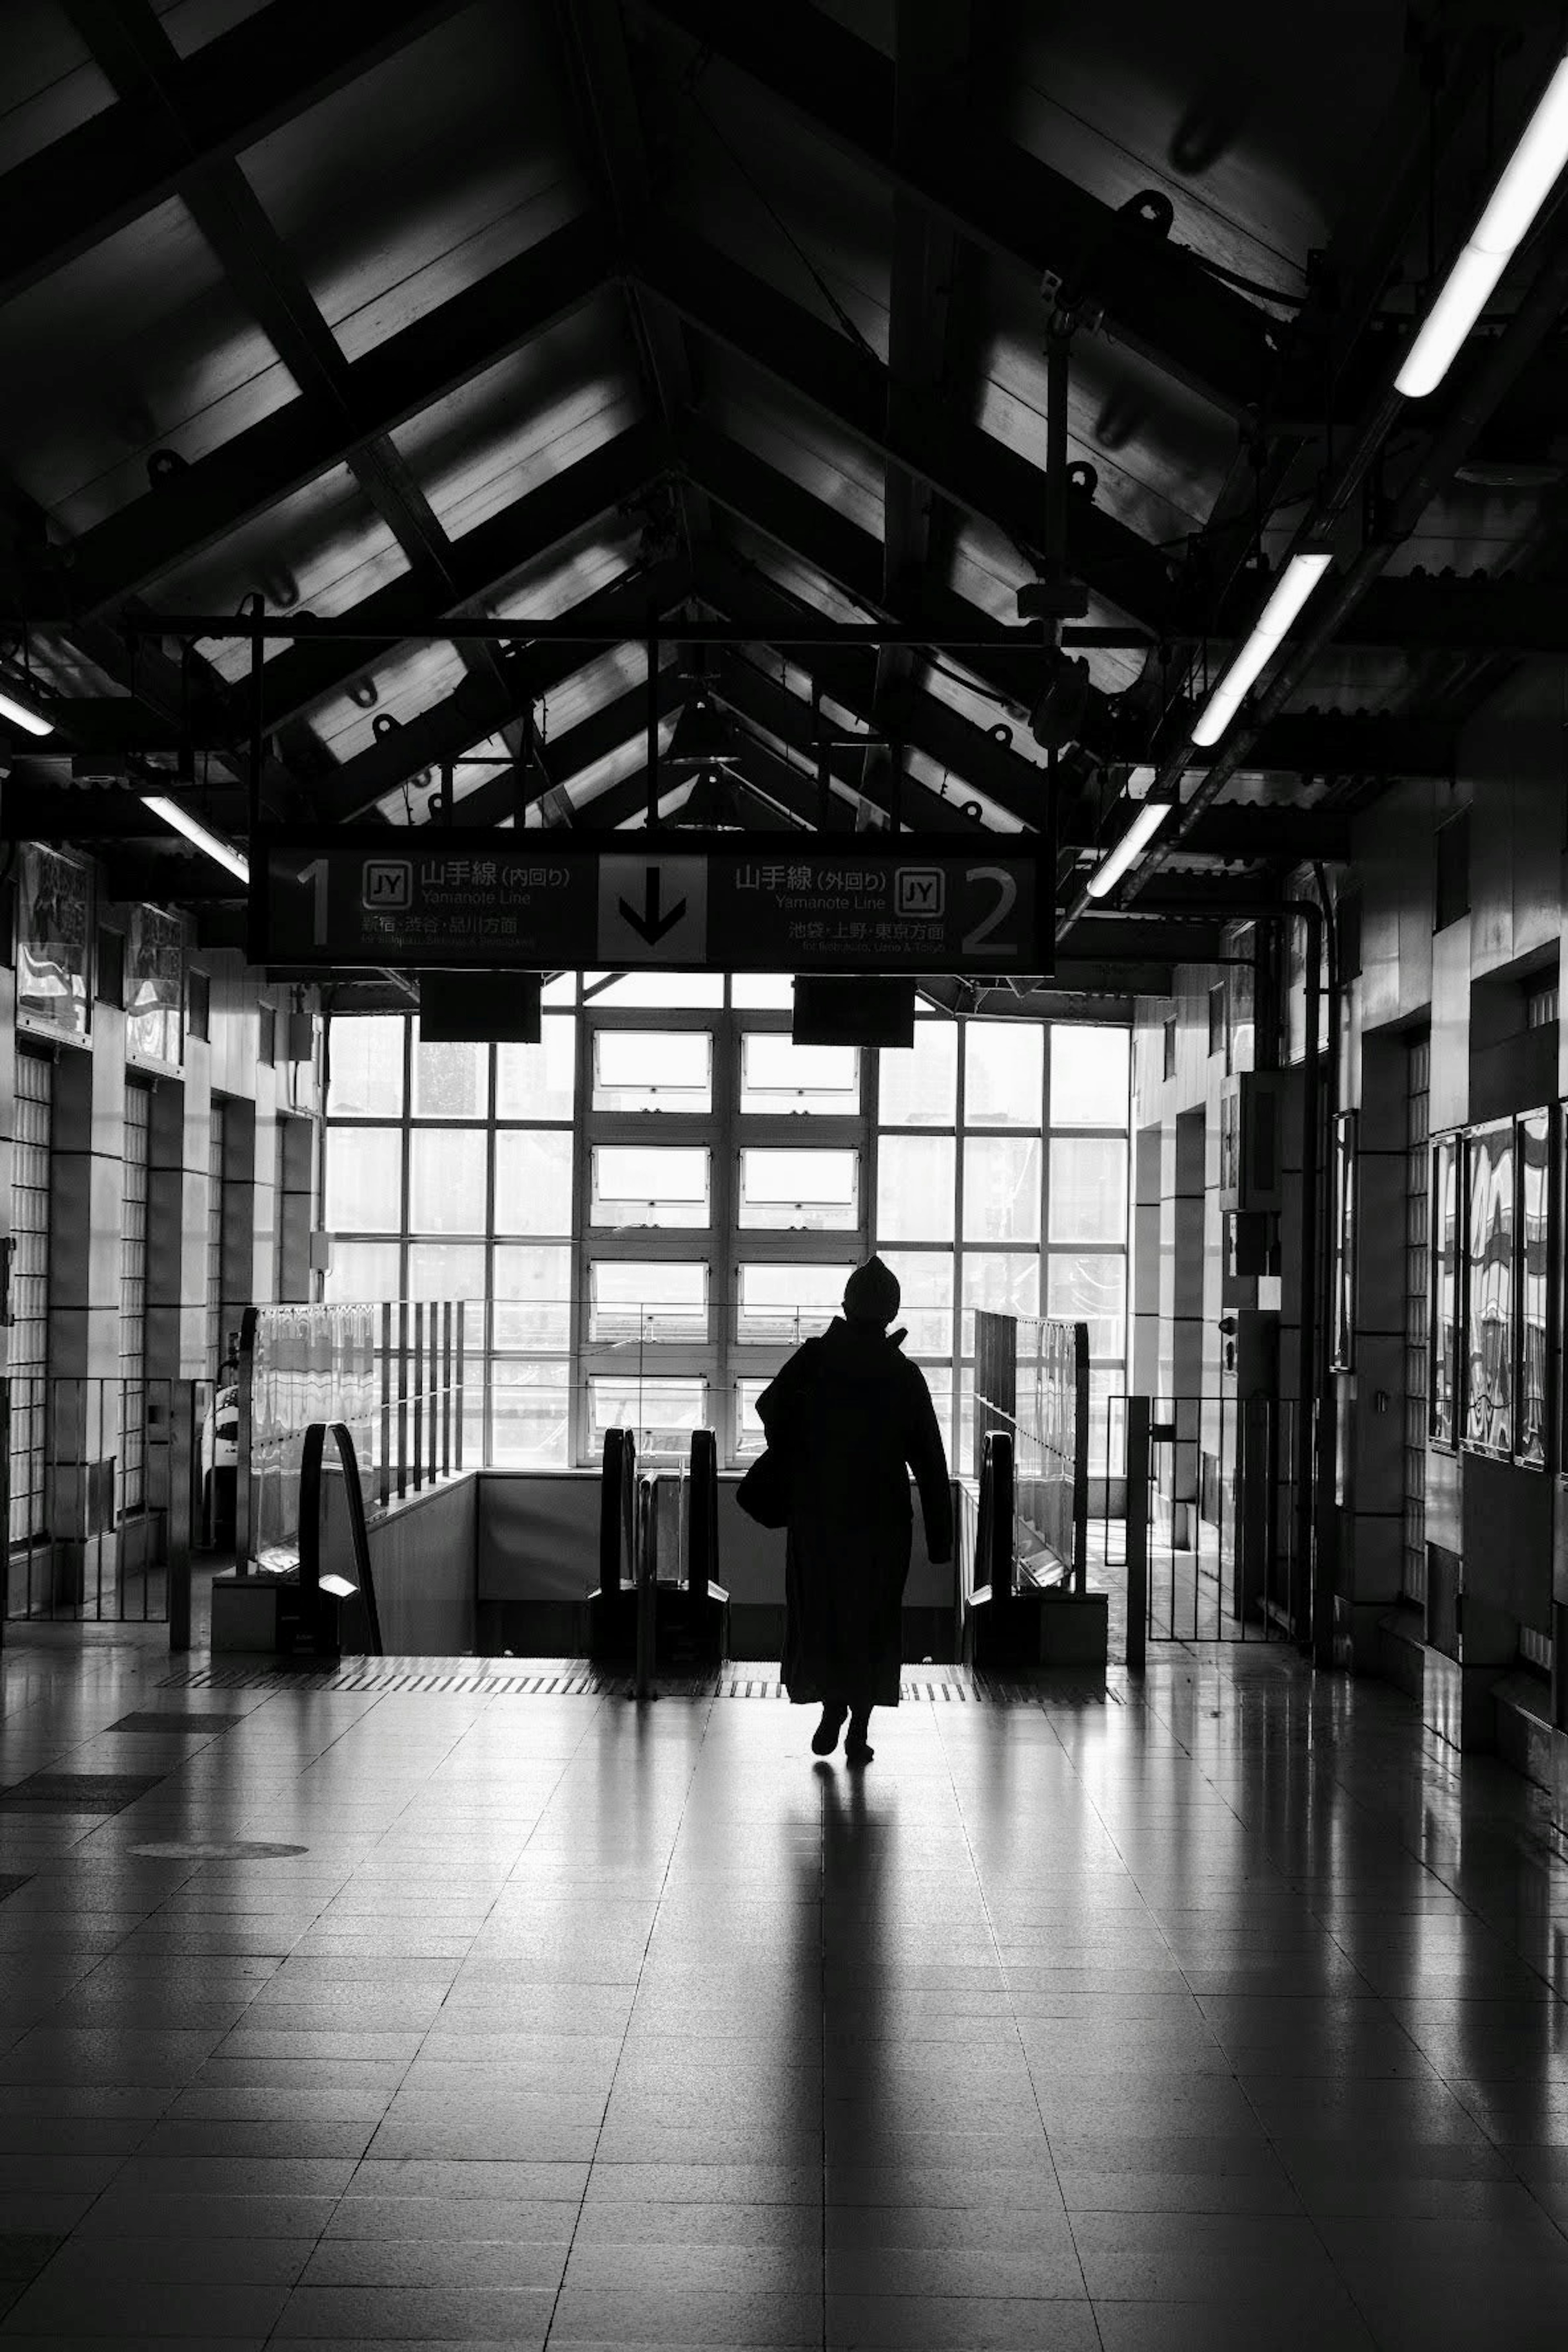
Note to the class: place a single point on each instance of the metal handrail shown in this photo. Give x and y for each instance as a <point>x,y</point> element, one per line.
<point>313,1616</point>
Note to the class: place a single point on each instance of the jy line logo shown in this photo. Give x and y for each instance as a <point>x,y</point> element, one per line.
<point>387,888</point>
<point>920,890</point>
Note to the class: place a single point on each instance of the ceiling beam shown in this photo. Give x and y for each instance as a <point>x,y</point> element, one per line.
<point>581,747</point>
<point>1156,298</point>
<point>233,91</point>
<point>953,456</point>
<point>480,565</point>
<point>198,505</point>
<point>766,703</point>
<point>130,44</point>
<point>479,706</point>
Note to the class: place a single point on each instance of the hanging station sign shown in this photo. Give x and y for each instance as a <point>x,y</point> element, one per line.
<point>449,898</point>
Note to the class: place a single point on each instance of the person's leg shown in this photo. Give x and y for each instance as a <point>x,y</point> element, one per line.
<point>858,1749</point>
<point>824,1739</point>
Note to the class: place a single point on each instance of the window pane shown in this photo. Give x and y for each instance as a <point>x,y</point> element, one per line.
<point>664,1413</point>
<point>445,1180</point>
<point>533,1180</point>
<point>660,992</point>
<point>652,1069</point>
<point>439,1270</point>
<point>366,1079</point>
<point>1089,1189</point>
<point>1002,1188</point>
<point>1006,1281</point>
<point>938,1380</point>
<point>761,992</point>
<point>780,1077</point>
<point>532,1296</point>
<point>804,1192</point>
<point>914,1188</point>
<point>1088,1076</point>
<point>539,1081</point>
<point>631,1298</point>
<point>560,988</point>
<point>364,1270</point>
<point>749,1436</point>
<point>918,1085</point>
<point>450,1081</point>
<point>1003,1073</point>
<point>1092,1289</point>
<point>650,1184</point>
<point>925,1278</point>
<point>530,1416</point>
<point>789,1301</point>
<point>364,1180</point>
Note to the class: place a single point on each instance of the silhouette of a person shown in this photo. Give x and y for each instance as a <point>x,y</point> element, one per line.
<point>851,1417</point>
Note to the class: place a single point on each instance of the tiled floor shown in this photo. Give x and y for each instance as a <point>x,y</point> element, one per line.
<point>1224,2014</point>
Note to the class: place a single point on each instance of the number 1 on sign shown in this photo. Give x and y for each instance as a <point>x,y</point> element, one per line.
<point>1007,900</point>
<point>316,872</point>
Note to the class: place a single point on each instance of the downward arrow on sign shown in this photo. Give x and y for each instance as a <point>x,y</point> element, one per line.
<point>650,925</point>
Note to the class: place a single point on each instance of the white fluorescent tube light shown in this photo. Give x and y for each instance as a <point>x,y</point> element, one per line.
<point>1151,816</point>
<point>1291,590</point>
<point>1529,177</point>
<point>184,822</point>
<point>21,715</point>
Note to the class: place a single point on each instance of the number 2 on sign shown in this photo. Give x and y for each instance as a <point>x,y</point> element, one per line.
<point>1007,900</point>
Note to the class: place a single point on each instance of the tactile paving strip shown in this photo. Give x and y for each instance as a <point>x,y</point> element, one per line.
<point>387,1675</point>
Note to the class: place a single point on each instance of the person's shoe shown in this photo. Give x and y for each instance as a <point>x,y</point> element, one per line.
<point>858,1749</point>
<point>824,1739</point>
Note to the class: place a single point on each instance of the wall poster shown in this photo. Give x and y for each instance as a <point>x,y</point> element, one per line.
<point>54,905</point>
<point>1490,1278</point>
<point>1443,1383</point>
<point>155,985</point>
<point>1534,1286</point>
<point>1341,1347</point>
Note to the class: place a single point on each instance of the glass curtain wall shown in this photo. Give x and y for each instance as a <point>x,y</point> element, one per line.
<point>649,1209</point>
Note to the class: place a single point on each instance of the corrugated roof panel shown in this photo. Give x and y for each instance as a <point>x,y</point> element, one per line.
<point>554,583</point>
<point>48,83</point>
<point>413,679</point>
<point>325,549</point>
<point>190,24</point>
<point>1253,130</point>
<point>139,344</point>
<point>525,421</point>
<point>422,176</point>
<point>800,442</point>
<point>1160,453</point>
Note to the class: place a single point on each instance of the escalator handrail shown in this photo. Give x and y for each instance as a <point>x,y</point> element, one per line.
<point>702,1514</point>
<point>617,1510</point>
<point>311,1456</point>
<point>993,1547</point>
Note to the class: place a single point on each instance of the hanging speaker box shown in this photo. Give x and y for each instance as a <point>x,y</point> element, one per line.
<point>853,1012</point>
<point>479,1008</point>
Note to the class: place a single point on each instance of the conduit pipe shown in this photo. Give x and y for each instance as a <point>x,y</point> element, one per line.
<point>1484,387</point>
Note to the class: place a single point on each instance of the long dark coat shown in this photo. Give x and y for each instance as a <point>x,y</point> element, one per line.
<point>851,1417</point>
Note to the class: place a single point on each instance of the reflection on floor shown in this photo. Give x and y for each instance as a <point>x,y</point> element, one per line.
<point>1222,2011</point>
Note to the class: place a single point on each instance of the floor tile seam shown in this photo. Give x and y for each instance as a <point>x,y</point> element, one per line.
<point>565,1767</point>
<point>626,2027</point>
<point>1013,2014</point>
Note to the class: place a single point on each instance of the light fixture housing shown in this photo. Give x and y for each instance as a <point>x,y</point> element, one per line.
<point>1528,178</point>
<point>703,739</point>
<point>1290,591</point>
<point>22,714</point>
<point>231,859</point>
<point>1151,816</point>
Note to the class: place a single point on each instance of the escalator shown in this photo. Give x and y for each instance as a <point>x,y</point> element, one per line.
<point>659,1550</point>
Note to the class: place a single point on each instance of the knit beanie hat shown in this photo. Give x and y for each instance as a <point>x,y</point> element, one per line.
<point>871,1294</point>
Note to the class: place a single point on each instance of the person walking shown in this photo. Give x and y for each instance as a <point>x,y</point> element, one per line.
<point>849,1418</point>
